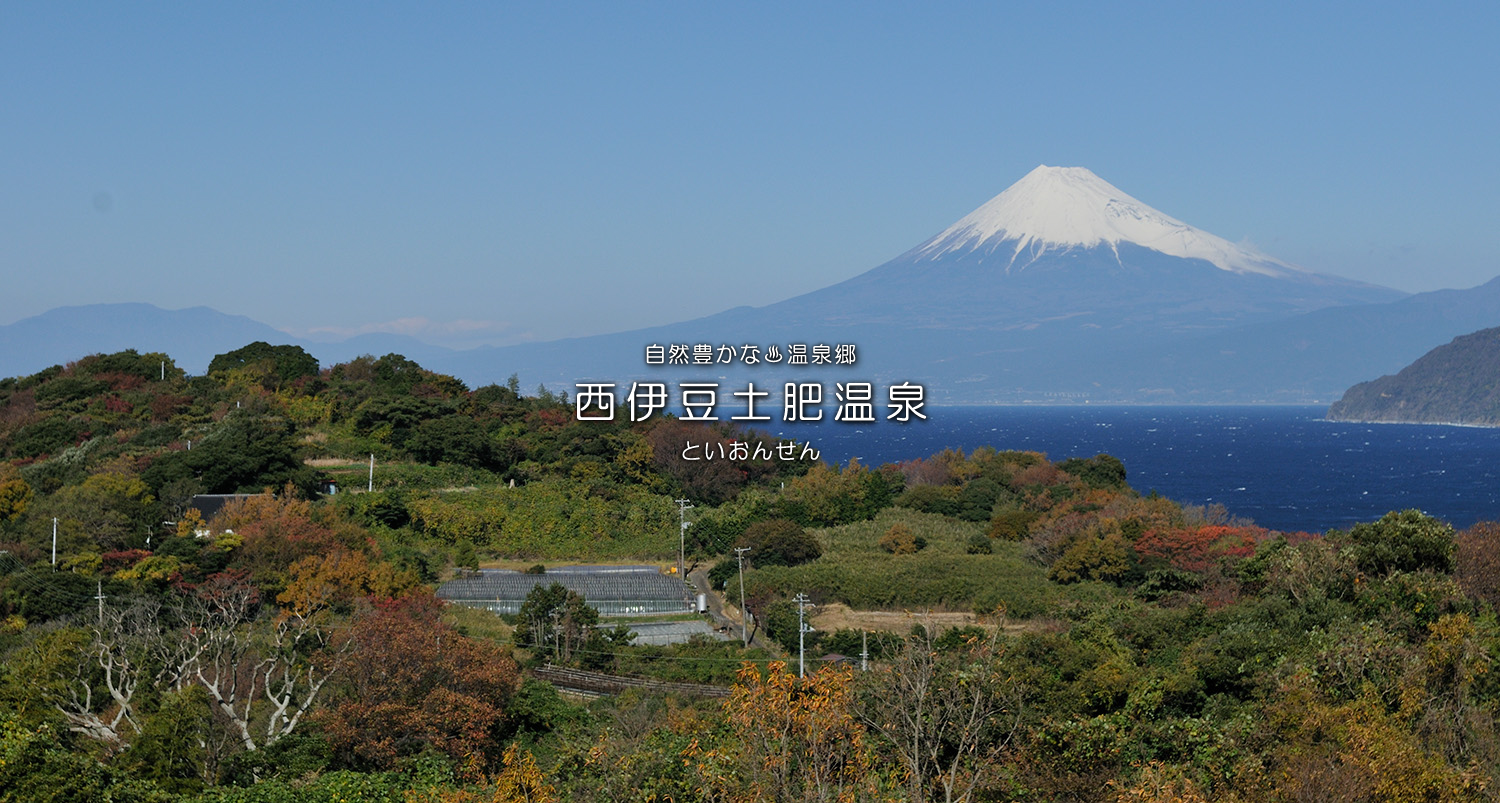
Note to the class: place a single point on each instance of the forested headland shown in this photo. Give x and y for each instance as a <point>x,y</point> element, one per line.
<point>1065,637</point>
<point>1455,383</point>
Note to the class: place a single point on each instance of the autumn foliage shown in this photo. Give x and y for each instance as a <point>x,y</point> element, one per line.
<point>1196,549</point>
<point>413,683</point>
<point>793,739</point>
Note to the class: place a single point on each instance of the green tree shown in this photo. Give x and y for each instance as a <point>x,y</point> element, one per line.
<point>977,499</point>
<point>284,363</point>
<point>1011,523</point>
<point>1405,541</point>
<point>826,497</point>
<point>169,750</point>
<point>779,618</point>
<point>555,622</point>
<point>453,439</point>
<point>465,556</point>
<point>108,512</point>
<point>245,453</point>
<point>1094,556</point>
<point>1099,471</point>
<point>779,542</point>
<point>34,767</point>
<point>393,420</point>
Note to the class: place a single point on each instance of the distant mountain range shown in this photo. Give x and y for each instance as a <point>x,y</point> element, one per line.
<point>1065,288</point>
<point>1061,288</point>
<point>1456,383</point>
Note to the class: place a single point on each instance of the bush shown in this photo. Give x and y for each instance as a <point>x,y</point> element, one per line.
<point>1011,523</point>
<point>977,498</point>
<point>1406,541</point>
<point>780,623</point>
<point>939,499</point>
<point>779,542</point>
<point>979,544</point>
<point>900,540</point>
<point>882,644</point>
<point>1099,471</point>
<point>1477,562</point>
<point>722,572</point>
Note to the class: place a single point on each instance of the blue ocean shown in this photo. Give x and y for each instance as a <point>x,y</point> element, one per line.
<point>1284,467</point>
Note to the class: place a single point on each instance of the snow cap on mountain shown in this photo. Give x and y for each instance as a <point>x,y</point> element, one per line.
<point>1060,208</point>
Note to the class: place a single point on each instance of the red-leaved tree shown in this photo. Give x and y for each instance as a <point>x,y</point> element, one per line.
<point>1197,549</point>
<point>414,681</point>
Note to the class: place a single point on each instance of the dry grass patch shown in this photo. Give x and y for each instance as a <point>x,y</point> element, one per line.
<point>836,616</point>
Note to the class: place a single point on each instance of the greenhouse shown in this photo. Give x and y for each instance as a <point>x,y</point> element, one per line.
<point>611,590</point>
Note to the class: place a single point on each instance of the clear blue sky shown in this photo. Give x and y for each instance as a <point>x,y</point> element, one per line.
<point>543,170</point>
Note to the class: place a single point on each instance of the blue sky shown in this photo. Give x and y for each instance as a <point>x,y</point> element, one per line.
<point>494,172</point>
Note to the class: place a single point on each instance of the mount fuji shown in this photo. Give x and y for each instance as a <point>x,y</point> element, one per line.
<point>1062,208</point>
<point>1063,249</point>
<point>1062,287</point>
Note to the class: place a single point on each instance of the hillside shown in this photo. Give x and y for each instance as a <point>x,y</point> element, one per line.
<point>1067,638</point>
<point>1457,383</point>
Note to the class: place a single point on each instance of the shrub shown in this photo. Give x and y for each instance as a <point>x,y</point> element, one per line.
<point>1406,541</point>
<point>779,542</point>
<point>939,499</point>
<point>900,540</point>
<point>1101,556</point>
<point>1011,523</point>
<point>977,498</point>
<point>722,572</point>
<point>1099,471</point>
<point>1477,562</point>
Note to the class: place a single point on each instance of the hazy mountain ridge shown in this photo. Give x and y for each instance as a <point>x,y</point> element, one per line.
<point>1041,294</point>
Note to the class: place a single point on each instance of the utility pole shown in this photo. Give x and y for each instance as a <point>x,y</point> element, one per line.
<point>371,487</point>
<point>683,506</point>
<point>864,652</point>
<point>802,631</point>
<point>100,596</point>
<point>54,543</point>
<point>739,558</point>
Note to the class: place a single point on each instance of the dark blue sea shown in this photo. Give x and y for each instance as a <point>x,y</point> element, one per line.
<point>1283,467</point>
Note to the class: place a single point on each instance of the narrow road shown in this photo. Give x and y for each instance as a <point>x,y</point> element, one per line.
<point>698,579</point>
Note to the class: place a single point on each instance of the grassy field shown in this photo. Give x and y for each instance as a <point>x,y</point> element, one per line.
<point>478,623</point>
<point>552,521</point>
<point>354,475</point>
<point>856,571</point>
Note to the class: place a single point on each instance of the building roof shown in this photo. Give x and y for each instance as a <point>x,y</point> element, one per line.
<point>210,504</point>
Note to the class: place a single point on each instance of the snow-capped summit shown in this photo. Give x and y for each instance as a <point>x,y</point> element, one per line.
<point>1061,208</point>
